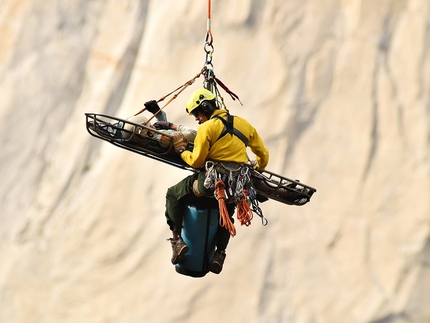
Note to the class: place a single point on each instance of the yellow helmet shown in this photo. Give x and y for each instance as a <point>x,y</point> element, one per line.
<point>197,97</point>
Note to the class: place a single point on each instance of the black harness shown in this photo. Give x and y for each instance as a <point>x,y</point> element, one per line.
<point>228,128</point>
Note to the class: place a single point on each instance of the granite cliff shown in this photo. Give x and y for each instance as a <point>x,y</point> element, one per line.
<point>338,89</point>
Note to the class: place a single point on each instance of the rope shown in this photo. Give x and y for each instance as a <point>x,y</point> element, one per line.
<point>244,212</point>
<point>180,89</point>
<point>224,219</point>
<point>209,33</point>
<point>209,13</point>
<point>233,95</point>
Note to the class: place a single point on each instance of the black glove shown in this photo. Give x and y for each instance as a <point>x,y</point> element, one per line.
<point>152,106</point>
<point>162,125</point>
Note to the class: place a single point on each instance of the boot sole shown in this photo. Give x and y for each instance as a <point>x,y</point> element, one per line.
<point>215,268</point>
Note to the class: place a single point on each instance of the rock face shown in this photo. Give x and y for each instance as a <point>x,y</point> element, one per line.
<point>339,90</point>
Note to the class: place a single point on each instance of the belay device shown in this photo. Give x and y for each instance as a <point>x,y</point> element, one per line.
<point>200,224</point>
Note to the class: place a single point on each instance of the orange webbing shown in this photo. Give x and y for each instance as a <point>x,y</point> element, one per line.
<point>180,89</point>
<point>244,212</point>
<point>224,219</point>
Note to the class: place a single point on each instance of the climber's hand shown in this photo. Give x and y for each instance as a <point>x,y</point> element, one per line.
<point>162,125</point>
<point>254,165</point>
<point>179,142</point>
<point>152,106</point>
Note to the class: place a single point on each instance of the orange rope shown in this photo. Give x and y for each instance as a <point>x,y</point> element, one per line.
<point>224,219</point>
<point>244,212</point>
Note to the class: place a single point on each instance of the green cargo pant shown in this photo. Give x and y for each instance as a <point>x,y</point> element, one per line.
<point>180,195</point>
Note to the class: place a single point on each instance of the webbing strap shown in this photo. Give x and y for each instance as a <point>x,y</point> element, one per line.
<point>228,128</point>
<point>178,90</point>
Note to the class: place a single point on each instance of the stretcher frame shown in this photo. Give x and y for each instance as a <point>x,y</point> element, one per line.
<point>266,183</point>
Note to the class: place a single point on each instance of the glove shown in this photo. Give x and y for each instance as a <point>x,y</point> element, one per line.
<point>179,142</point>
<point>152,106</point>
<point>162,125</point>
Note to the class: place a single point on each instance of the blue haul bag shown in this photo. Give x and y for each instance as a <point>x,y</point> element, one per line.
<point>199,233</point>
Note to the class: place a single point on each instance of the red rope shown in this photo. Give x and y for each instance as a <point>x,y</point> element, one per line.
<point>233,95</point>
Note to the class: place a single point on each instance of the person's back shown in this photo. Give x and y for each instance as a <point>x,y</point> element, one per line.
<point>209,145</point>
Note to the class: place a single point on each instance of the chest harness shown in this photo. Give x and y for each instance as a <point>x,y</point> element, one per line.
<point>229,129</point>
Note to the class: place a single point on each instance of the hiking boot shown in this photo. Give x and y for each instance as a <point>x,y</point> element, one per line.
<point>217,262</point>
<point>179,248</point>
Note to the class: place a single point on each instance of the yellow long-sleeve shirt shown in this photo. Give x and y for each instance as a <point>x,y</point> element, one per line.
<point>229,148</point>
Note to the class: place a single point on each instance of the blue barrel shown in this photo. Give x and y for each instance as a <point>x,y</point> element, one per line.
<point>199,233</point>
